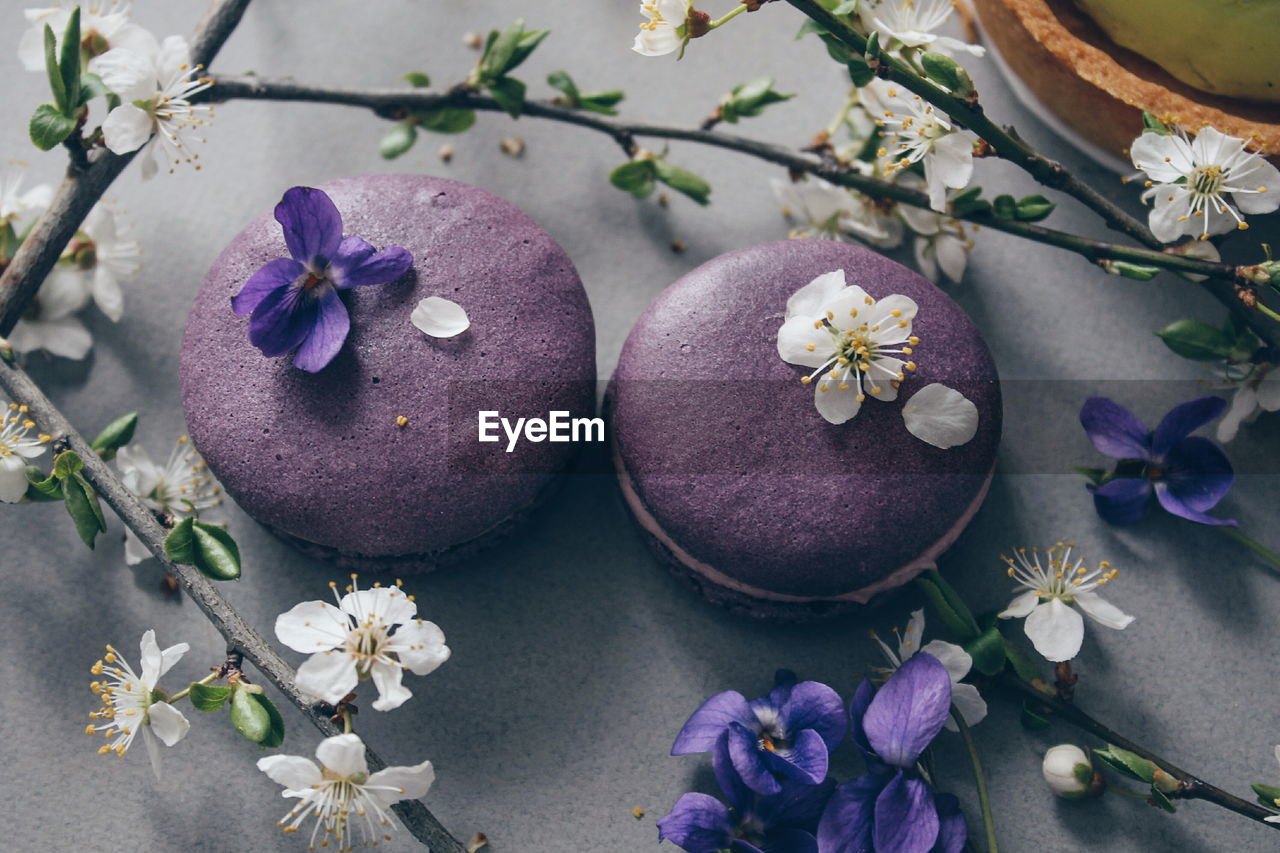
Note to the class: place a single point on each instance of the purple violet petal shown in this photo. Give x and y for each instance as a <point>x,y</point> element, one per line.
<point>847,822</point>
<point>327,335</point>
<point>698,823</point>
<point>272,275</point>
<point>1173,504</point>
<point>352,252</point>
<point>737,845</point>
<point>1182,421</point>
<point>736,793</point>
<point>906,818</point>
<point>1114,430</point>
<point>909,710</point>
<point>312,226</point>
<point>787,840</point>
<point>857,710</point>
<point>815,706</point>
<point>1123,500</point>
<point>282,321</point>
<point>379,268</point>
<point>749,760</point>
<point>796,805</point>
<point>1198,473</point>
<point>706,724</point>
<point>952,831</point>
<point>806,759</point>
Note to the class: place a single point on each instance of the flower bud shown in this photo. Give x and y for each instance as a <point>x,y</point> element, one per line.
<point>1069,772</point>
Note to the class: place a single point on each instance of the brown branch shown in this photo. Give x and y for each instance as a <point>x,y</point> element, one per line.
<point>241,637</point>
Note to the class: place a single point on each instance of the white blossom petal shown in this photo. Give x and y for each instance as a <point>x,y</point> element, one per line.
<point>386,604</point>
<point>343,755</point>
<point>1165,159</point>
<point>440,318</point>
<point>941,416</point>
<point>392,693</point>
<point>1244,403</point>
<point>410,783</point>
<point>799,342</point>
<point>294,772</point>
<point>127,128</point>
<point>957,661</point>
<point>420,645</point>
<point>1021,606</point>
<point>167,722</point>
<point>809,300</point>
<point>13,479</point>
<point>969,702</point>
<point>1103,611</point>
<point>837,405</point>
<point>328,676</point>
<point>312,626</point>
<point>1055,630</point>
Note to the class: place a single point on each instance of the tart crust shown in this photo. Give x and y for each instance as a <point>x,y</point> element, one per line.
<point>1099,88</point>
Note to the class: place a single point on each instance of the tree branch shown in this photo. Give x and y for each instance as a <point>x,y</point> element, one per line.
<point>239,634</point>
<point>393,104</point>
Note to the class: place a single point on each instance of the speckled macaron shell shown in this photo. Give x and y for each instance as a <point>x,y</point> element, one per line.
<point>321,458</point>
<point>725,451</point>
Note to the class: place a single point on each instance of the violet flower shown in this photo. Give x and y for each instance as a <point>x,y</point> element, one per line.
<point>294,301</point>
<point>892,809</point>
<point>1188,474</point>
<point>749,823</point>
<point>788,734</point>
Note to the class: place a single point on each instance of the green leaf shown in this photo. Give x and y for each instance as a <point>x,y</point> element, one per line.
<point>115,435</point>
<point>179,545</point>
<point>872,51</point>
<point>91,86</point>
<point>1196,340</point>
<point>499,50</point>
<point>528,43</point>
<point>1095,476</point>
<point>848,7</point>
<point>41,488</point>
<point>417,79</point>
<point>216,554</point>
<point>1027,668</point>
<point>67,463</point>
<point>49,127</point>
<point>1151,124</point>
<point>446,119</point>
<point>1268,795</point>
<point>750,99</point>
<point>987,650</point>
<point>1127,763</point>
<point>860,73</point>
<point>638,177</point>
<point>949,607</point>
<point>509,93</point>
<point>1160,799</point>
<point>1033,208</point>
<point>602,102</point>
<point>208,697</point>
<point>1004,206</point>
<point>948,73</point>
<point>969,202</point>
<point>1125,269</point>
<point>1031,719</point>
<point>683,181</point>
<point>56,83</point>
<point>275,736</point>
<point>69,65</point>
<point>838,50</point>
<point>397,140</point>
<point>82,505</point>
<point>563,83</point>
<point>249,716</point>
<point>1244,342</point>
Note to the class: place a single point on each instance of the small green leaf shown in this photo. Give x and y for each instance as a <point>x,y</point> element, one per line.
<point>180,543</point>
<point>1127,763</point>
<point>1004,206</point>
<point>1033,208</point>
<point>1023,664</point>
<point>1196,340</point>
<point>509,93</point>
<point>529,42</point>
<point>397,140</point>
<point>872,51</point>
<point>1125,269</point>
<point>987,650</point>
<point>446,119</point>
<point>67,463</point>
<point>837,49</point>
<point>1268,795</point>
<point>499,49</point>
<point>1031,719</point>
<point>56,84</point>
<point>249,716</point>
<point>1151,124</point>
<point>82,505</point>
<point>41,488</point>
<point>602,102</point>
<point>563,83</point>
<point>860,73</point>
<point>948,73</point>
<point>750,99</point>
<point>217,555</point>
<point>49,127</point>
<point>969,202</point>
<point>1095,476</point>
<point>208,697</point>
<point>91,86</point>
<point>949,607</point>
<point>683,181</point>
<point>1159,798</point>
<point>115,435</point>
<point>848,7</point>
<point>638,177</point>
<point>275,736</point>
<point>69,64</point>
<point>417,80</point>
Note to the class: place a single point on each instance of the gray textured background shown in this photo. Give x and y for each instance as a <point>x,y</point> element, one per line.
<point>576,658</point>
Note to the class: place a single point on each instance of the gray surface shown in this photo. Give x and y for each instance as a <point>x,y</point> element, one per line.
<point>576,658</point>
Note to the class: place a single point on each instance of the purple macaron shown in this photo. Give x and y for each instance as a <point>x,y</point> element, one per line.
<point>374,460</point>
<point>743,487</point>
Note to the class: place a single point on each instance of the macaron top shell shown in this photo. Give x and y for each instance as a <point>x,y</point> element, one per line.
<point>725,448</point>
<point>324,456</point>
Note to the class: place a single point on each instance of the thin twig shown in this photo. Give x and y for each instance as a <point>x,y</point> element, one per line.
<point>1191,787</point>
<point>980,780</point>
<point>240,635</point>
<point>393,104</point>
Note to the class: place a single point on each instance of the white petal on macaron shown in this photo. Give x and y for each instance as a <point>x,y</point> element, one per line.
<point>440,318</point>
<point>941,416</point>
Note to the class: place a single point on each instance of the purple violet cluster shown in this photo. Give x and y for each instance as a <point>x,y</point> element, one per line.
<point>770,757</point>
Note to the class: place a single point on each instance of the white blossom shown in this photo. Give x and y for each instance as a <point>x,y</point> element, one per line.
<point>965,697</point>
<point>1051,589</point>
<point>941,416</point>
<point>130,703</point>
<point>665,28</point>
<point>942,242</point>
<point>49,323</point>
<point>823,210</point>
<point>851,340</point>
<point>439,317</point>
<point>372,633</point>
<point>104,26</point>
<point>1257,393</point>
<point>916,132</point>
<point>340,793</point>
<point>17,445</point>
<point>1191,179</point>
<point>15,204</point>
<point>1068,771</point>
<point>104,250</point>
<point>181,487</point>
<point>156,90</point>
<point>915,23</point>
